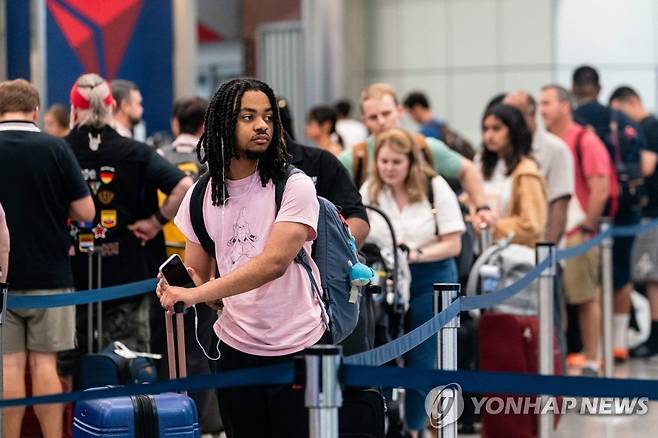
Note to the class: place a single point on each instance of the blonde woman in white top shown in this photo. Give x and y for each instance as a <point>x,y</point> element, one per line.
<point>400,186</point>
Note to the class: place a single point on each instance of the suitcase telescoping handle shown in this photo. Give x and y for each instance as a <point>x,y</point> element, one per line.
<point>97,253</point>
<point>179,309</point>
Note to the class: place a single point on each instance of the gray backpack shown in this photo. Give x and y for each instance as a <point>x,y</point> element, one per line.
<point>509,262</point>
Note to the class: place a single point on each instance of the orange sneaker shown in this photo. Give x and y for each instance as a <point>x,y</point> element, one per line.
<point>620,355</point>
<point>576,360</point>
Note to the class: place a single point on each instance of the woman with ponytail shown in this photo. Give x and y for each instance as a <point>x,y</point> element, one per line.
<point>123,176</point>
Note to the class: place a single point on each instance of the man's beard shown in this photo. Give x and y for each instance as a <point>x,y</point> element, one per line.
<point>134,121</point>
<point>254,155</point>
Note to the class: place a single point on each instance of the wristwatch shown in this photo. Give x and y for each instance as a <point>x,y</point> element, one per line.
<point>160,217</point>
<point>587,230</point>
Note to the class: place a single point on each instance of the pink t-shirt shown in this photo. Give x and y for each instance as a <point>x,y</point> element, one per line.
<point>282,316</point>
<point>594,161</point>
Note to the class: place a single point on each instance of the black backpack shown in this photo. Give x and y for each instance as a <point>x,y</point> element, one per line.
<point>624,150</point>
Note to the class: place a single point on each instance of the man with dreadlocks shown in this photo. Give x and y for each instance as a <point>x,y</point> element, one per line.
<point>270,312</point>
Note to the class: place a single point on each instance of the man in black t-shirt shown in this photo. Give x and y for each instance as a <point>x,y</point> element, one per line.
<point>330,178</point>
<point>40,188</point>
<point>624,142</point>
<point>645,252</point>
<point>123,176</point>
<point>4,246</point>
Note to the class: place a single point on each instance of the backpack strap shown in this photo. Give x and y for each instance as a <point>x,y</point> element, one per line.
<point>301,258</point>
<point>360,163</point>
<point>421,142</point>
<point>613,125</point>
<point>430,198</point>
<point>280,186</point>
<point>196,215</point>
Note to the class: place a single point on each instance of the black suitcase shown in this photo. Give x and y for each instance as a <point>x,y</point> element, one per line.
<point>362,414</point>
<point>105,367</point>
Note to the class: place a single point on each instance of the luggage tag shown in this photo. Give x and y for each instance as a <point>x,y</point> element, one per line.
<point>125,352</point>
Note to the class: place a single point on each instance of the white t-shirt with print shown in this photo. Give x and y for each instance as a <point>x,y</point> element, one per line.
<point>415,224</point>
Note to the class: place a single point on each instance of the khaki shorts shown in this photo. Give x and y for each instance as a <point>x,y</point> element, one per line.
<point>41,330</point>
<point>582,274</point>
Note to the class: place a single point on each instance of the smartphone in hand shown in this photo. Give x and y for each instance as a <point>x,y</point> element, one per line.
<point>175,272</point>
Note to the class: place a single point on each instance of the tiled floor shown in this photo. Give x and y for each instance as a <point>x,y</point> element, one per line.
<point>579,426</point>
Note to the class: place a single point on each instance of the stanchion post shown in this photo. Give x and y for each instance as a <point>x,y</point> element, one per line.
<point>4,290</point>
<point>606,298</point>
<point>545,301</point>
<point>444,295</point>
<point>486,237</point>
<point>323,394</point>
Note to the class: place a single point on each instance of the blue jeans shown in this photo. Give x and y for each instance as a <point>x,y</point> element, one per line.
<point>421,309</point>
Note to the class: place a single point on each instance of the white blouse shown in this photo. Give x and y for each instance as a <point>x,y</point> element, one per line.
<point>415,224</point>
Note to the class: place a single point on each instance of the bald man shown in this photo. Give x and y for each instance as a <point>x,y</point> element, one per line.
<point>555,161</point>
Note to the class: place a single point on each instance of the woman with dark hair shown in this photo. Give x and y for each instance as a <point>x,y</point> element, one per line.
<point>514,188</point>
<point>513,184</point>
<point>321,129</point>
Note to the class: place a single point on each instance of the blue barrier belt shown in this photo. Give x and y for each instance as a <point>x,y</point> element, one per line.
<point>497,297</point>
<point>19,301</point>
<point>271,375</point>
<point>390,377</point>
<point>632,230</point>
<point>584,247</point>
<point>396,348</point>
<point>499,383</point>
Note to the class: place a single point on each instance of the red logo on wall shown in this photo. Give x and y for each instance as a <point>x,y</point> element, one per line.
<point>115,20</point>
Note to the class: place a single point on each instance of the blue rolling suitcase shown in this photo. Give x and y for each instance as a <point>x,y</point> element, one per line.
<point>143,416</point>
<point>163,415</point>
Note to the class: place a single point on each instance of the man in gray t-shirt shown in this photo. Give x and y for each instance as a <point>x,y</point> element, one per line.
<point>555,162</point>
<point>187,127</point>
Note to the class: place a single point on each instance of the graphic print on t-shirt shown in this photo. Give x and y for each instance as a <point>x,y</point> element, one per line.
<point>242,239</point>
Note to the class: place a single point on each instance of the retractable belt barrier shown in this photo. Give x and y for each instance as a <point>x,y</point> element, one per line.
<point>18,301</point>
<point>387,377</point>
<point>363,369</point>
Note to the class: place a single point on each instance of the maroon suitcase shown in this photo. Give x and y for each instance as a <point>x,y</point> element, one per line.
<point>510,343</point>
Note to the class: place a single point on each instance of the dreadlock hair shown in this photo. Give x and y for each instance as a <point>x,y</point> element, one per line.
<point>219,143</point>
